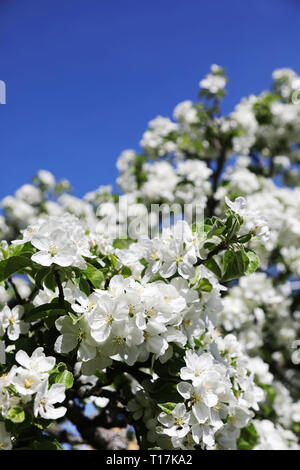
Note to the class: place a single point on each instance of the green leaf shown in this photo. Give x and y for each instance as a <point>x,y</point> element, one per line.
<point>84,286</point>
<point>102,377</point>
<point>126,271</point>
<point>296,428</point>
<point>121,243</point>
<point>229,266</point>
<point>144,262</point>
<point>201,228</point>
<point>156,277</point>
<point>164,392</point>
<point>16,415</point>
<point>262,112</point>
<point>245,238</point>
<point>232,226</point>
<point>60,367</point>
<point>270,391</point>
<point>95,276</point>
<point>12,265</point>
<point>253,261</point>
<point>46,444</point>
<point>248,438</point>
<point>44,310</point>
<point>235,264</point>
<point>17,250</point>
<point>217,228</point>
<point>205,285</point>
<point>40,275</point>
<point>198,342</point>
<point>242,261</point>
<point>213,266</point>
<point>65,378</point>
<point>50,281</point>
<point>210,245</point>
<point>167,407</point>
<point>61,375</point>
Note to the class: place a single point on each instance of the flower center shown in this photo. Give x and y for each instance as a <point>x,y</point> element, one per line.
<point>179,421</point>
<point>81,335</point>
<point>154,255</point>
<point>109,318</point>
<point>43,403</point>
<point>132,310</point>
<point>151,312</point>
<point>196,398</point>
<point>28,382</point>
<point>53,250</point>
<point>119,340</point>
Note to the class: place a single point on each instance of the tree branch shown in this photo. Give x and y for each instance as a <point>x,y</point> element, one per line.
<point>18,297</point>
<point>97,436</point>
<point>212,202</point>
<point>60,287</point>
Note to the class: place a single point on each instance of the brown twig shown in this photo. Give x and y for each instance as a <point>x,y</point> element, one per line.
<point>60,287</point>
<point>18,297</point>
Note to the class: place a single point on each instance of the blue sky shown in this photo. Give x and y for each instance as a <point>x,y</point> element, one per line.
<point>84,77</point>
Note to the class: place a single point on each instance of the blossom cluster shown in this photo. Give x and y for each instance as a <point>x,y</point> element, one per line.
<point>25,391</point>
<point>218,396</point>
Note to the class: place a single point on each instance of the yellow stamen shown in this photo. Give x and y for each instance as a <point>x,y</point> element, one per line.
<point>28,382</point>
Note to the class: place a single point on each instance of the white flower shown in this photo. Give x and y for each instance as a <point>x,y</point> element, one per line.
<point>195,366</point>
<point>203,397</point>
<point>123,341</point>
<point>55,248</point>
<point>38,362</point>
<point>125,159</point>
<point>74,334</point>
<point>261,369</point>
<point>274,437</point>
<point>46,178</point>
<point>177,423</point>
<point>26,381</point>
<point>11,323</point>
<point>45,399</point>
<point>203,434</point>
<point>213,83</point>
<point>102,318</point>
<point>239,415</point>
<point>178,252</point>
<point>28,233</point>
<point>239,205</point>
<point>29,193</point>
<point>186,112</point>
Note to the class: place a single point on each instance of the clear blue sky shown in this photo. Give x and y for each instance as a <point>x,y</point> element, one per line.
<point>85,76</point>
